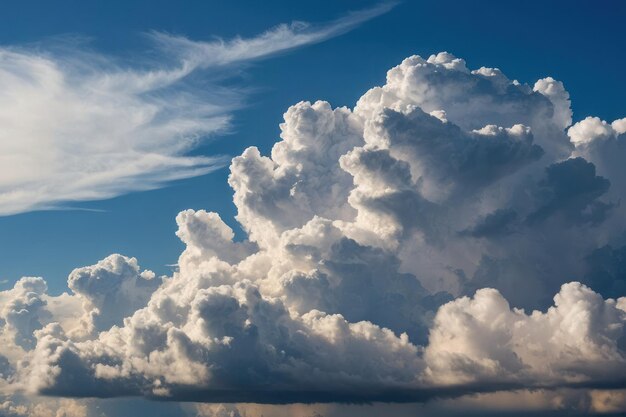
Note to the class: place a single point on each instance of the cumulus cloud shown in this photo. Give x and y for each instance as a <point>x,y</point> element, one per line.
<point>112,289</point>
<point>48,408</point>
<point>606,270</point>
<point>500,222</point>
<point>24,309</point>
<point>78,125</point>
<point>406,249</point>
<point>482,339</point>
<point>572,188</point>
<point>593,129</point>
<point>442,154</point>
<point>603,144</point>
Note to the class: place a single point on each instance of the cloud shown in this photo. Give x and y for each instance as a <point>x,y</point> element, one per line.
<point>78,125</point>
<point>500,222</point>
<point>482,339</point>
<point>593,129</point>
<point>24,309</point>
<point>443,153</point>
<point>603,144</point>
<point>404,250</point>
<point>571,188</point>
<point>112,289</point>
<point>606,270</point>
<point>279,39</point>
<point>51,407</point>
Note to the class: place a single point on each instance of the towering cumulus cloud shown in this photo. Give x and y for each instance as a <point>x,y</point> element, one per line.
<point>407,248</point>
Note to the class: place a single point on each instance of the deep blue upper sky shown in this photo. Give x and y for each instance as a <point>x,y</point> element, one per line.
<point>581,43</point>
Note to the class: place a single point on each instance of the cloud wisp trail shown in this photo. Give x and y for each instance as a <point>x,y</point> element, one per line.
<point>77,125</point>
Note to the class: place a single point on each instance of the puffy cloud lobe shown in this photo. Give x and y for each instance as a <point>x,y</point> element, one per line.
<point>207,236</point>
<point>24,310</point>
<point>112,289</point>
<point>233,346</point>
<point>303,178</point>
<point>555,91</point>
<point>481,339</point>
<point>593,129</point>
<point>470,99</point>
<point>572,188</point>
<point>344,277</point>
<point>442,156</point>
<point>371,234</point>
<point>603,144</point>
<point>386,199</point>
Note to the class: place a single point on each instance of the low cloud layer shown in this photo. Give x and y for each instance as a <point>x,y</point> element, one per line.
<point>451,234</point>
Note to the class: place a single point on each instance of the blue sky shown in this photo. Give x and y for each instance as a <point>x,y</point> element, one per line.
<point>576,42</point>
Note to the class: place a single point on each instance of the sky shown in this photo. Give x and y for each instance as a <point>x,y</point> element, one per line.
<point>577,43</point>
<point>196,229</point>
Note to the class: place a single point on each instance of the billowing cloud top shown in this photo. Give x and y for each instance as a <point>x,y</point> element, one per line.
<point>407,248</point>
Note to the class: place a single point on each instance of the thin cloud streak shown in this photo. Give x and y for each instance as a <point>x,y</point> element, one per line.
<point>282,38</point>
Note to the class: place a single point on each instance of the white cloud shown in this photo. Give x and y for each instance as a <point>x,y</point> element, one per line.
<point>604,144</point>
<point>591,129</point>
<point>279,39</point>
<point>77,125</point>
<point>408,248</point>
<point>24,310</point>
<point>481,339</point>
<point>112,289</point>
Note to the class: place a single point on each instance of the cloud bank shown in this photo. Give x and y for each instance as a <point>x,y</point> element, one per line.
<point>78,125</point>
<point>451,234</point>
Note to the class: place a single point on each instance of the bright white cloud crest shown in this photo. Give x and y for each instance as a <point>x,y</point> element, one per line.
<point>371,234</point>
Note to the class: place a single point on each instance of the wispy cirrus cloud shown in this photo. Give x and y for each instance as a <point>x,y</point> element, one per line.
<point>76,125</point>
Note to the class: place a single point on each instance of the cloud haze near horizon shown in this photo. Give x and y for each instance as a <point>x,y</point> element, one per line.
<point>451,234</point>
